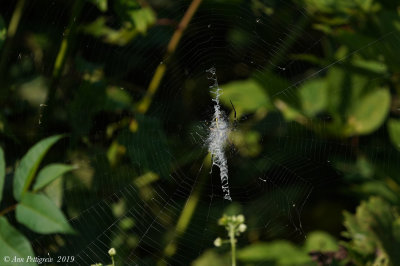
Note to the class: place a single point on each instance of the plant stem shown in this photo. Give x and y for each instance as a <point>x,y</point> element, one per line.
<point>145,102</point>
<point>112,261</point>
<point>65,47</point>
<point>8,209</point>
<point>187,213</point>
<point>12,29</point>
<point>232,239</point>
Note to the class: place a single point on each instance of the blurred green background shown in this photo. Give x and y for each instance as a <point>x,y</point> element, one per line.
<point>313,160</point>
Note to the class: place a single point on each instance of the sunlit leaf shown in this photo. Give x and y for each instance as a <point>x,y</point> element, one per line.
<point>246,96</point>
<point>101,4</point>
<point>394,132</point>
<point>369,112</point>
<point>281,252</point>
<point>13,244</point>
<point>376,224</point>
<point>29,164</point>
<point>143,18</point>
<point>49,173</point>
<point>211,258</point>
<point>320,241</point>
<point>117,98</point>
<point>40,214</point>
<point>314,96</point>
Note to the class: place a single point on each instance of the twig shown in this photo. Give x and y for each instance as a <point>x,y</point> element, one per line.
<point>145,102</point>
<point>8,209</point>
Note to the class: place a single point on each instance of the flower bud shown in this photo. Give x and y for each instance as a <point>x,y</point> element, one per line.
<point>112,252</point>
<point>218,242</point>
<point>242,228</point>
<point>240,218</point>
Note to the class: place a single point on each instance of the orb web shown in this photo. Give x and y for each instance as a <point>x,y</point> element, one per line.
<point>138,206</point>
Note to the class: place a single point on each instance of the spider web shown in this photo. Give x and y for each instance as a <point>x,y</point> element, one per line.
<point>116,207</point>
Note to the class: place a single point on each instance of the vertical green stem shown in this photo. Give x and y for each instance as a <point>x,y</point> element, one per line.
<point>187,213</point>
<point>232,240</point>
<point>112,261</point>
<point>65,47</point>
<point>66,43</point>
<point>12,29</point>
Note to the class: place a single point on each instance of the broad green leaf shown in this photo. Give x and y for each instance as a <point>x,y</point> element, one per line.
<point>378,188</point>
<point>314,96</point>
<point>49,173</point>
<point>281,252</point>
<point>29,164</point>
<point>117,98</point>
<point>246,96</point>
<point>211,258</point>
<point>369,112</point>
<point>371,65</point>
<point>101,4</point>
<point>13,243</point>
<point>143,19</point>
<point>40,214</point>
<point>2,172</point>
<point>394,132</point>
<point>320,241</point>
<point>3,32</point>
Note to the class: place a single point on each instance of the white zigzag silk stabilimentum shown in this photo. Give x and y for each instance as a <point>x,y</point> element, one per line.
<point>218,136</point>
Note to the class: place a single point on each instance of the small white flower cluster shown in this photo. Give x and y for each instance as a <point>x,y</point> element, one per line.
<point>233,224</point>
<point>112,252</point>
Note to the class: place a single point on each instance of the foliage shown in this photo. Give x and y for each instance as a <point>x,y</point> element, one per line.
<point>374,233</point>
<point>33,209</point>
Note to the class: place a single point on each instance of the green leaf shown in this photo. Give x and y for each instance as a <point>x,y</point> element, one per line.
<point>117,98</point>
<point>378,188</point>
<point>143,19</point>
<point>368,113</point>
<point>375,225</point>
<point>49,173</point>
<point>394,132</point>
<point>3,32</point>
<point>13,243</point>
<point>40,214</point>
<point>321,241</point>
<point>314,96</point>
<point>246,96</point>
<point>101,4</point>
<point>2,172</point>
<point>29,164</point>
<point>211,258</point>
<point>281,252</point>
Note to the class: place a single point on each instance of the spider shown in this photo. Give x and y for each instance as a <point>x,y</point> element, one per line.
<point>224,130</point>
